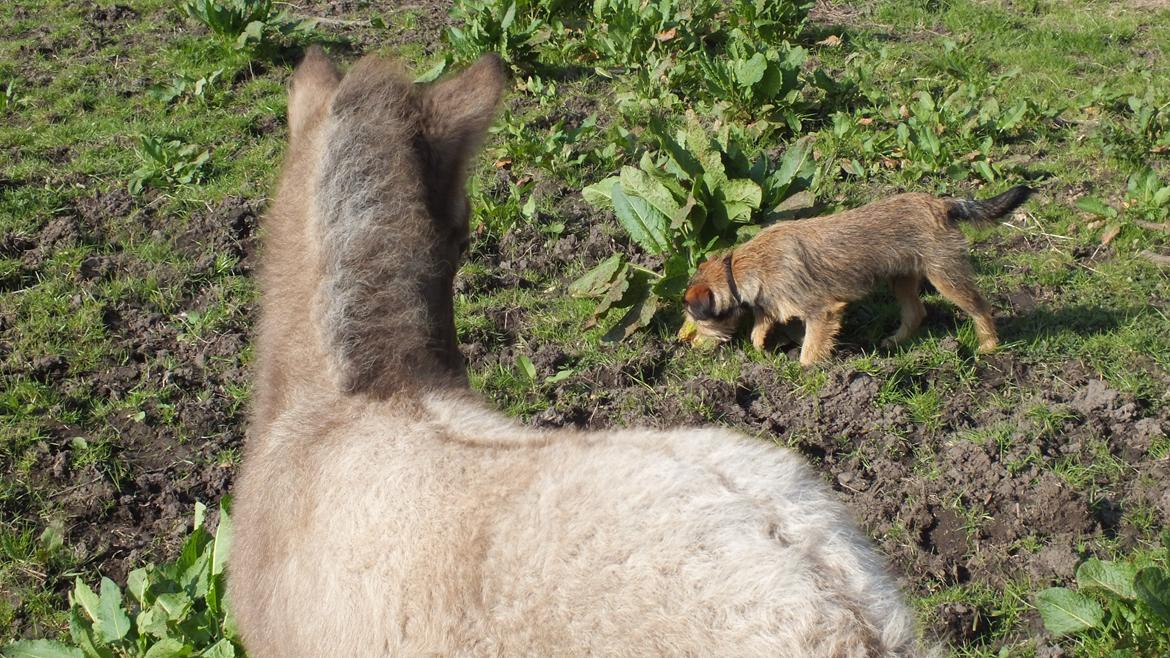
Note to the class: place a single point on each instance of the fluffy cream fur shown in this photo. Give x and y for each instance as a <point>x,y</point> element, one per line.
<point>384,510</point>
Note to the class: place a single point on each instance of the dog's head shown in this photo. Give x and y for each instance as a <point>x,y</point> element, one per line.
<point>711,309</point>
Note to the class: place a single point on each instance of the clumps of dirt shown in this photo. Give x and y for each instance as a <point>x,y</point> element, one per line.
<point>113,15</point>
<point>179,444</point>
<point>228,229</point>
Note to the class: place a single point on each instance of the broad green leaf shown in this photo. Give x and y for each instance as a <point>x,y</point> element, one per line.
<point>526,366</point>
<point>636,181</point>
<point>87,599</point>
<point>924,105</point>
<point>1013,116</point>
<point>741,196</point>
<point>1113,577</point>
<point>41,649</point>
<point>221,649</point>
<point>642,221</point>
<point>200,512</point>
<point>152,622</point>
<point>749,72</point>
<point>681,163</point>
<point>797,160</point>
<point>698,142</point>
<point>771,84</point>
<point>1065,611</point>
<point>1162,196</point>
<point>676,272</point>
<point>639,315</point>
<point>82,633</point>
<point>667,180</point>
<point>560,376</point>
<point>984,170</point>
<point>175,605</point>
<point>432,73</point>
<point>600,194</point>
<point>112,622</point>
<point>1152,586</point>
<point>509,17</point>
<point>253,32</point>
<point>169,648</point>
<point>1096,206</point>
<point>597,280</point>
<point>221,547</point>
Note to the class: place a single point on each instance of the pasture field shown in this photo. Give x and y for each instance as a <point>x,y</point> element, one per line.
<point>139,140</point>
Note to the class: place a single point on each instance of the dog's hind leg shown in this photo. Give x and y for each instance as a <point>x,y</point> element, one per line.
<point>820,332</point>
<point>913,312</point>
<point>957,283</point>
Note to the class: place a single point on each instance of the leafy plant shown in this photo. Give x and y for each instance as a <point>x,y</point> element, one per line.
<point>174,610</point>
<point>557,149</point>
<point>696,194</point>
<point>953,134</point>
<point>633,33</point>
<point>506,27</point>
<point>1147,197</point>
<point>247,23</point>
<point>1137,128</point>
<point>9,100</point>
<point>756,82</point>
<point>167,163</point>
<point>1117,606</point>
<point>184,86</point>
<point>769,21</point>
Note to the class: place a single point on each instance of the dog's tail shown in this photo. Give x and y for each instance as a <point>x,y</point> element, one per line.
<point>986,210</point>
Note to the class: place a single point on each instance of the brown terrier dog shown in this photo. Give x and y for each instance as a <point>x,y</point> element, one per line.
<point>812,268</point>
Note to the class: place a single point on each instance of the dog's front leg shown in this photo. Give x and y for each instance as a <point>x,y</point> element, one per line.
<point>820,333</point>
<point>760,329</point>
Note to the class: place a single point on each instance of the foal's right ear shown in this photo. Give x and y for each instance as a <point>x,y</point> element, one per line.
<point>459,111</point>
<point>311,88</point>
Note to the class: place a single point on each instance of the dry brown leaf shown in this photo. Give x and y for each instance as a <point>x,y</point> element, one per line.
<point>667,35</point>
<point>831,41</point>
<point>1109,233</point>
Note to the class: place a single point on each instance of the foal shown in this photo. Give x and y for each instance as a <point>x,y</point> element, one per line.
<point>385,510</point>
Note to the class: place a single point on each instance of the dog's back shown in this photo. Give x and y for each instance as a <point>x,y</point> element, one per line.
<point>382,510</point>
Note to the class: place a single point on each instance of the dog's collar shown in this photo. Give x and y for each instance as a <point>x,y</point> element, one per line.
<point>731,279</point>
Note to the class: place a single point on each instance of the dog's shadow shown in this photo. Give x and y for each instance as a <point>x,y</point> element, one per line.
<point>869,321</point>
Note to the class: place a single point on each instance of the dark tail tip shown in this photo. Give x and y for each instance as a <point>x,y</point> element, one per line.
<point>972,210</point>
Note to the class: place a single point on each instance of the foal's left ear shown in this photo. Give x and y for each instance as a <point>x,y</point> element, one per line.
<point>459,110</point>
<point>310,90</point>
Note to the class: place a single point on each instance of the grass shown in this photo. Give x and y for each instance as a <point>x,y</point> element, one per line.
<point>1070,306</point>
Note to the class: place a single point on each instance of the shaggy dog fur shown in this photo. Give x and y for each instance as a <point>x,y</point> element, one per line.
<point>384,510</point>
<point>811,268</point>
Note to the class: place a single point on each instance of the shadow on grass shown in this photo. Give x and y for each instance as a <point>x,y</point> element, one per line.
<point>1080,319</point>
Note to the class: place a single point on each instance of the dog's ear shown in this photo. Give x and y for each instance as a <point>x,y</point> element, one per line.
<point>700,301</point>
<point>459,110</point>
<point>310,90</point>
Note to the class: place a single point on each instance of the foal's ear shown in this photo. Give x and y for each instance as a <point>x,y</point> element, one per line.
<point>311,87</point>
<point>459,110</point>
